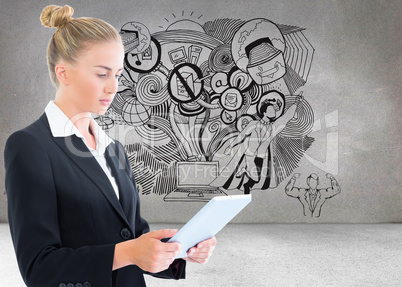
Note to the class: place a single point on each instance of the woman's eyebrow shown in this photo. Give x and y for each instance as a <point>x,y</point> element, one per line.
<point>107,68</point>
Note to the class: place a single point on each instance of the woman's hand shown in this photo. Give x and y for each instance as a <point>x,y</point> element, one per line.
<point>147,251</point>
<point>202,252</point>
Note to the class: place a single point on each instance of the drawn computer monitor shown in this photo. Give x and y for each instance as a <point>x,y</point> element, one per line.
<point>178,55</point>
<point>193,179</point>
<point>196,175</point>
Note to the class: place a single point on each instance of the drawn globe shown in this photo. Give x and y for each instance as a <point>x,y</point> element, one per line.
<point>136,37</point>
<point>251,31</point>
<point>134,113</point>
<point>105,122</point>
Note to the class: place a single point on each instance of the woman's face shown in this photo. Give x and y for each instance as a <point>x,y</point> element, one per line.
<point>94,77</point>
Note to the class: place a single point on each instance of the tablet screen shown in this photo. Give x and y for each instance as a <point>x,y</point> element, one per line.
<point>209,220</point>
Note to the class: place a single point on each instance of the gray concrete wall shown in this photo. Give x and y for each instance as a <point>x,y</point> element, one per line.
<point>353,87</point>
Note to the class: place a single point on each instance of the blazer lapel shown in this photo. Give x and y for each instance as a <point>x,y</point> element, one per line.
<point>113,155</point>
<point>78,152</point>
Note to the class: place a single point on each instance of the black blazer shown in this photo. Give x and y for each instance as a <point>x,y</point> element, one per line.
<point>64,215</point>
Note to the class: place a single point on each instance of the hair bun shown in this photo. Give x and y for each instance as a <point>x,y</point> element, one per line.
<point>56,16</point>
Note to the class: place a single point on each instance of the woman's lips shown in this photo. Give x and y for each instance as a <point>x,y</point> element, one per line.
<point>105,102</point>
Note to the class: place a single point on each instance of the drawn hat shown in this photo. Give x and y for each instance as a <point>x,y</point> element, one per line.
<point>260,51</point>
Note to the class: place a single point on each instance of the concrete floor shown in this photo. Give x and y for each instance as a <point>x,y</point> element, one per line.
<point>279,255</point>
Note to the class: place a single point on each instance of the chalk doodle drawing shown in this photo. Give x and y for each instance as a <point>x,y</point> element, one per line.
<point>312,198</point>
<point>215,106</point>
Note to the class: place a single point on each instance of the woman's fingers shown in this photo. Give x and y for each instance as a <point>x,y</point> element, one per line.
<point>203,251</point>
<point>151,254</point>
<point>207,243</point>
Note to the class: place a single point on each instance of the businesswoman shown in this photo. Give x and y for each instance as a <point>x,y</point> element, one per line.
<point>73,206</point>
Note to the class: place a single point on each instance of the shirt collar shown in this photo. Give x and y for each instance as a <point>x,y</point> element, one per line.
<point>62,126</point>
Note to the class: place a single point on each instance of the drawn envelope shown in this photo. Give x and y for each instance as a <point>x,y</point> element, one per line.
<point>231,100</point>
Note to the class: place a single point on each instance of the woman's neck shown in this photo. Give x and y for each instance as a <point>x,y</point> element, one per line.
<point>79,118</point>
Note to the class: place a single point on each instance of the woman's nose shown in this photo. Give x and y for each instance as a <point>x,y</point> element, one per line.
<point>111,87</point>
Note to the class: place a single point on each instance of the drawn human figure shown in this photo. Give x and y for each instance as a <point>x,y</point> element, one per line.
<point>253,142</point>
<point>312,198</point>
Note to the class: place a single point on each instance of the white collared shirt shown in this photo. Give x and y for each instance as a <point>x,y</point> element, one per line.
<point>62,126</point>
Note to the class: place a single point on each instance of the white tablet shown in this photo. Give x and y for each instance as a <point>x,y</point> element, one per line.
<point>209,220</point>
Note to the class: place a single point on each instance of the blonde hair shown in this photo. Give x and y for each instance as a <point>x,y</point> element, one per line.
<point>72,35</point>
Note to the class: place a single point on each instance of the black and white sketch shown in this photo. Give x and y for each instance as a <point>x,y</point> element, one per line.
<point>216,106</point>
<point>312,198</point>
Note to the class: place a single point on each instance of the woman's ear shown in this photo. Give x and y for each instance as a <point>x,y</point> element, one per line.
<point>63,73</point>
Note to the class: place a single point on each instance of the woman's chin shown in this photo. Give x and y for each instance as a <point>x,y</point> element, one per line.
<point>101,112</point>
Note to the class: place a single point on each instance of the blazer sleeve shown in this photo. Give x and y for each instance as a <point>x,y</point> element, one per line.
<point>33,219</point>
<point>177,270</point>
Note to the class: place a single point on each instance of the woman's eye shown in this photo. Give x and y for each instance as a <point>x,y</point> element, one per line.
<point>101,75</point>
<point>118,76</point>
